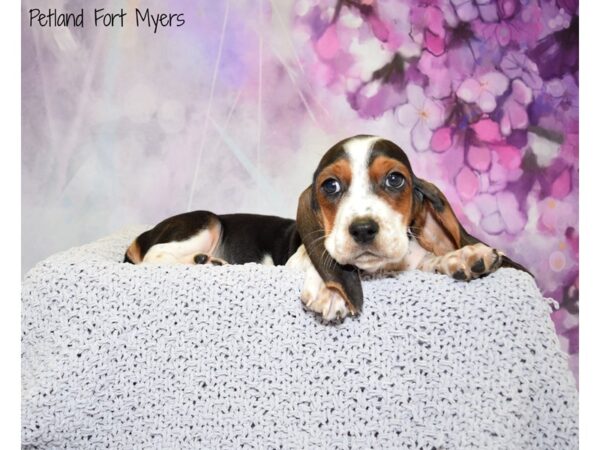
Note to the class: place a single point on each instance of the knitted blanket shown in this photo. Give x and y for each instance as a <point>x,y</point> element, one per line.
<point>226,357</point>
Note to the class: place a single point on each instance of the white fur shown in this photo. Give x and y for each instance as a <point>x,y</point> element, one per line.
<point>267,260</point>
<point>182,252</point>
<point>299,260</point>
<point>315,294</point>
<point>391,243</point>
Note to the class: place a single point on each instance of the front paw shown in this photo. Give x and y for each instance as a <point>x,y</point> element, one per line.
<point>467,263</point>
<point>317,297</point>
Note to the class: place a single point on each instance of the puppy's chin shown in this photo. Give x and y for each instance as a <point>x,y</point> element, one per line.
<point>370,263</point>
<point>369,259</point>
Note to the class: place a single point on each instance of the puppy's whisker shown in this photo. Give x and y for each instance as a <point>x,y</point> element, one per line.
<point>313,232</point>
<point>314,243</point>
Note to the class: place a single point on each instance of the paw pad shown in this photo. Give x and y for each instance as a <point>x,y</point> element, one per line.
<point>479,266</point>
<point>201,258</point>
<point>459,275</point>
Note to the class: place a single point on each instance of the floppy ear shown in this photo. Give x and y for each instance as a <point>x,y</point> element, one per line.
<point>343,279</point>
<point>436,227</point>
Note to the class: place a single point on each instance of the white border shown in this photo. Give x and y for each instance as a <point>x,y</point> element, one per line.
<point>589,163</point>
<point>10,187</point>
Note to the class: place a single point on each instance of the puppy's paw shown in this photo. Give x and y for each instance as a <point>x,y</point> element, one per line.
<point>203,258</point>
<point>317,297</point>
<point>466,263</point>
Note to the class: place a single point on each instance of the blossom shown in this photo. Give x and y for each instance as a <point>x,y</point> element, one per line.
<point>564,98</point>
<point>523,26</point>
<point>491,87</point>
<point>498,213</point>
<point>440,79</point>
<point>507,8</point>
<point>483,90</point>
<point>428,26</point>
<point>515,108</point>
<point>467,183</point>
<point>421,115</point>
<point>517,65</point>
<point>465,9</point>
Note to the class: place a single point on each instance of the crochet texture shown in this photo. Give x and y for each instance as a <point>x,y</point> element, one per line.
<point>226,357</point>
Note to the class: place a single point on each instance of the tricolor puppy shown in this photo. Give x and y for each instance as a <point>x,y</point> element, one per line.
<point>365,211</point>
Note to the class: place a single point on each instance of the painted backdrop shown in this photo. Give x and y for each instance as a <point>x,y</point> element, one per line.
<point>232,111</point>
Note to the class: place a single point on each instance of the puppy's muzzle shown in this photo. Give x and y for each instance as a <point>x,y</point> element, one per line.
<point>364,230</point>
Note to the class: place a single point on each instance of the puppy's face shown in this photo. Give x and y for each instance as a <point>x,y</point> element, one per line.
<point>364,190</point>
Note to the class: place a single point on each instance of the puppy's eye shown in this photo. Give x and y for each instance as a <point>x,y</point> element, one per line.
<point>331,186</point>
<point>394,180</point>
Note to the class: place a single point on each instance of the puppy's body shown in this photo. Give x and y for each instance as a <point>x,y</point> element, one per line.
<point>365,210</point>
<point>231,238</point>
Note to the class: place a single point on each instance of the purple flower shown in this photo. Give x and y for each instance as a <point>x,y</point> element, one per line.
<point>507,8</point>
<point>564,97</point>
<point>517,65</point>
<point>499,213</point>
<point>421,114</point>
<point>428,26</point>
<point>483,90</point>
<point>440,78</point>
<point>523,28</point>
<point>465,10</point>
<point>515,108</point>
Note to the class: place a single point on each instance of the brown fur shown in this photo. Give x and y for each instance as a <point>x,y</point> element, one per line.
<point>134,253</point>
<point>400,201</point>
<point>344,280</point>
<point>340,290</point>
<point>341,171</point>
<point>436,227</point>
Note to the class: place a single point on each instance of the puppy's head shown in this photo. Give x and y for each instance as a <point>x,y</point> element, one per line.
<point>363,193</point>
<point>364,206</point>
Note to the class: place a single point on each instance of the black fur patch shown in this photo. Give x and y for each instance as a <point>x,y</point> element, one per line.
<point>244,238</point>
<point>383,147</point>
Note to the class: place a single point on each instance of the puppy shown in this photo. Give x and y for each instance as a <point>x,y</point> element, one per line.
<point>365,211</point>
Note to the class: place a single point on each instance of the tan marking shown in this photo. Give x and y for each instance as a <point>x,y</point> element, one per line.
<point>342,171</point>
<point>337,287</point>
<point>401,201</point>
<point>133,252</point>
<point>432,235</point>
<point>438,231</point>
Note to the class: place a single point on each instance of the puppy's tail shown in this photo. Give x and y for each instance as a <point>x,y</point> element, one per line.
<point>133,255</point>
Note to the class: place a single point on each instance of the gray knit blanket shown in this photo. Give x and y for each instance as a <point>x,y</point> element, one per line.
<point>123,356</point>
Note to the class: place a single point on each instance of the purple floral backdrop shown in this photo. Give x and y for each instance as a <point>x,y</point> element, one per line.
<point>124,125</point>
<point>488,91</point>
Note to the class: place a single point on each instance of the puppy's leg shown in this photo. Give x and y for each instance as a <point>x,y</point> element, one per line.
<point>195,250</point>
<point>190,238</point>
<point>315,295</point>
<point>466,263</point>
<point>203,258</point>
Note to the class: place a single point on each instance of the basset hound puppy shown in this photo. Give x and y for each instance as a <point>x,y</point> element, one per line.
<point>365,211</point>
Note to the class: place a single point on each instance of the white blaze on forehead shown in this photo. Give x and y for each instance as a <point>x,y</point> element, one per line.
<point>359,151</point>
<point>361,201</point>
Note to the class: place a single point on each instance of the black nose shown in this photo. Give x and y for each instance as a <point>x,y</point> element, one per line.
<point>363,231</point>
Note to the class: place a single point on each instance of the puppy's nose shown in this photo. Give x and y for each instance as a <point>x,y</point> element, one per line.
<point>363,231</point>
